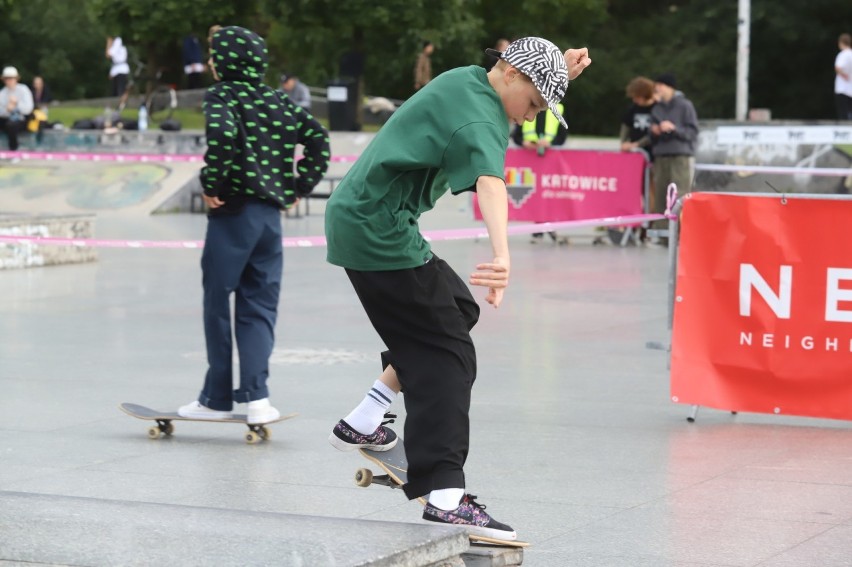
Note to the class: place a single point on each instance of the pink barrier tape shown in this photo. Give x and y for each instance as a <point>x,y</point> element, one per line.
<point>73,156</point>
<point>671,199</point>
<point>131,158</point>
<point>319,241</point>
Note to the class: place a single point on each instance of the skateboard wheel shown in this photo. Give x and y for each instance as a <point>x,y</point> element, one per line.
<point>169,429</point>
<point>252,438</point>
<point>363,477</point>
<point>265,432</point>
<point>154,432</point>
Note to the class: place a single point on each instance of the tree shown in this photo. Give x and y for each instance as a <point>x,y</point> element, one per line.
<point>155,30</point>
<point>51,39</point>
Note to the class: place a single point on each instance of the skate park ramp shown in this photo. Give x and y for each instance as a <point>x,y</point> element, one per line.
<point>65,187</point>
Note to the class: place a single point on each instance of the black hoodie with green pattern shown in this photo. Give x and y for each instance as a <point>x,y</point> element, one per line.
<point>252,131</point>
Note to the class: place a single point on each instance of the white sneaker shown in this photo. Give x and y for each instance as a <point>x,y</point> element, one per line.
<point>260,411</point>
<point>195,410</point>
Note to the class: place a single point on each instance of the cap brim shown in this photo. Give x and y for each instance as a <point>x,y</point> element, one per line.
<point>555,111</point>
<point>494,53</point>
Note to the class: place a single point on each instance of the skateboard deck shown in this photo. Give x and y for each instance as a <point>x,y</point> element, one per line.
<point>395,466</point>
<point>257,431</point>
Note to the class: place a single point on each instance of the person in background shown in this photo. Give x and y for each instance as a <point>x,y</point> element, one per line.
<point>500,45</point>
<point>674,133</point>
<point>193,61</point>
<point>41,93</point>
<point>635,132</point>
<point>843,77</point>
<point>250,176</point>
<point>16,106</point>
<point>297,91</point>
<point>539,135</point>
<point>119,70</point>
<point>423,67</point>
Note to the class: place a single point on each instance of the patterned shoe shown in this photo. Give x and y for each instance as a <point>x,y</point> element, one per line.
<point>472,516</point>
<point>344,438</point>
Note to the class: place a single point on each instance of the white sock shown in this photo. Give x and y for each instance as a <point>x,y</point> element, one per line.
<point>447,498</point>
<point>367,417</point>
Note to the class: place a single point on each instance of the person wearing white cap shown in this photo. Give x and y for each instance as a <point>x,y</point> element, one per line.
<point>16,104</point>
<point>452,135</point>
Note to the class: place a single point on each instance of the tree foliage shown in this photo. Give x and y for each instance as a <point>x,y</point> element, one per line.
<point>792,48</point>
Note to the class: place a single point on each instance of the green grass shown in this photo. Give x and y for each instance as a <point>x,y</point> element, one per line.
<point>847,148</point>
<point>190,118</point>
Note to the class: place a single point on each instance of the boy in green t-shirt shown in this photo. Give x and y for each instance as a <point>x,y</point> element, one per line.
<point>450,136</point>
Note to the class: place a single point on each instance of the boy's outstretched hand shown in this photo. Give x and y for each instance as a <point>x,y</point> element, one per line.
<point>494,276</point>
<point>577,60</point>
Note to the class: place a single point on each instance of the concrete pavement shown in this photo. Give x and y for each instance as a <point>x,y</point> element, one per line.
<point>574,440</point>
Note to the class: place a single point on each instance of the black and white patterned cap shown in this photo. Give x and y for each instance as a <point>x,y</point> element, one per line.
<point>543,63</point>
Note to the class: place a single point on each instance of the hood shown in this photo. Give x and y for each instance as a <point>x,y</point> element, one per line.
<point>239,54</point>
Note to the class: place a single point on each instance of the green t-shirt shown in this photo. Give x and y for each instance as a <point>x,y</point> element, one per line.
<point>443,138</point>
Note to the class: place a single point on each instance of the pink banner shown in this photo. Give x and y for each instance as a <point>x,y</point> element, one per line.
<point>567,185</point>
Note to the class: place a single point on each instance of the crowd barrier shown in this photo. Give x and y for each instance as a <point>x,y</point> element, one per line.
<point>763,304</point>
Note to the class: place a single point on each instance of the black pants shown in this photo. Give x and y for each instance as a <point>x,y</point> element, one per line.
<point>424,316</point>
<point>118,84</point>
<point>12,128</point>
<point>844,106</point>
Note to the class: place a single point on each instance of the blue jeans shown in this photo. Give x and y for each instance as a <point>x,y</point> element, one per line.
<point>242,255</point>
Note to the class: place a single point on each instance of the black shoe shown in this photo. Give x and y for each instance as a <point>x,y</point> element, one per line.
<point>344,438</point>
<point>472,516</point>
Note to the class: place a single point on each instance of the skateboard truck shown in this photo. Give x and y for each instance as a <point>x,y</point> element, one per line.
<point>365,477</point>
<point>164,426</point>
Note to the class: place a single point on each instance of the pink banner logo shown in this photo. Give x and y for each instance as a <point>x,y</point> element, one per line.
<point>520,184</point>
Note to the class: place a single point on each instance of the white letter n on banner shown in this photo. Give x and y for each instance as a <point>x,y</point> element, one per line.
<point>835,294</point>
<point>780,303</point>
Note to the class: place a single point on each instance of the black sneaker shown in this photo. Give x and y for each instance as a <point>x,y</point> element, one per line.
<point>345,438</point>
<point>472,516</point>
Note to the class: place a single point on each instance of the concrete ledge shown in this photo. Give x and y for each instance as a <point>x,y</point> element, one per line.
<point>27,255</point>
<point>486,556</point>
<point>61,530</point>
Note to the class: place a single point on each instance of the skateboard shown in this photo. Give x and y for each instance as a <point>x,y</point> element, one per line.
<point>395,466</point>
<point>257,431</point>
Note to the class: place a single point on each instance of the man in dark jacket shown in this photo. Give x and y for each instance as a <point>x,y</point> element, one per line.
<point>674,132</point>
<point>252,132</point>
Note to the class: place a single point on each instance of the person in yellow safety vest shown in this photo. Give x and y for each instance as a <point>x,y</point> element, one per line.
<point>542,133</point>
<point>539,135</point>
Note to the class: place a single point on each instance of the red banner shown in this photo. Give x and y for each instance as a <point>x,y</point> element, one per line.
<point>763,310</point>
<point>564,185</point>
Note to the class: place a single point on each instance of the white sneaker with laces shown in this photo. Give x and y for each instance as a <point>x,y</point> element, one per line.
<point>195,410</point>
<point>261,411</point>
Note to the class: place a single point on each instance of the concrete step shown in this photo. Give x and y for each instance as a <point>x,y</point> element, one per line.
<point>487,556</point>
<point>62,530</point>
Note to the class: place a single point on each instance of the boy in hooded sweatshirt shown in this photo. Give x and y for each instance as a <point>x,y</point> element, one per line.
<point>252,131</point>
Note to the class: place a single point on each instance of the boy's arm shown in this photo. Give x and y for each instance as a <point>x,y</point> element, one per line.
<point>317,152</point>
<point>221,130</point>
<point>494,205</point>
